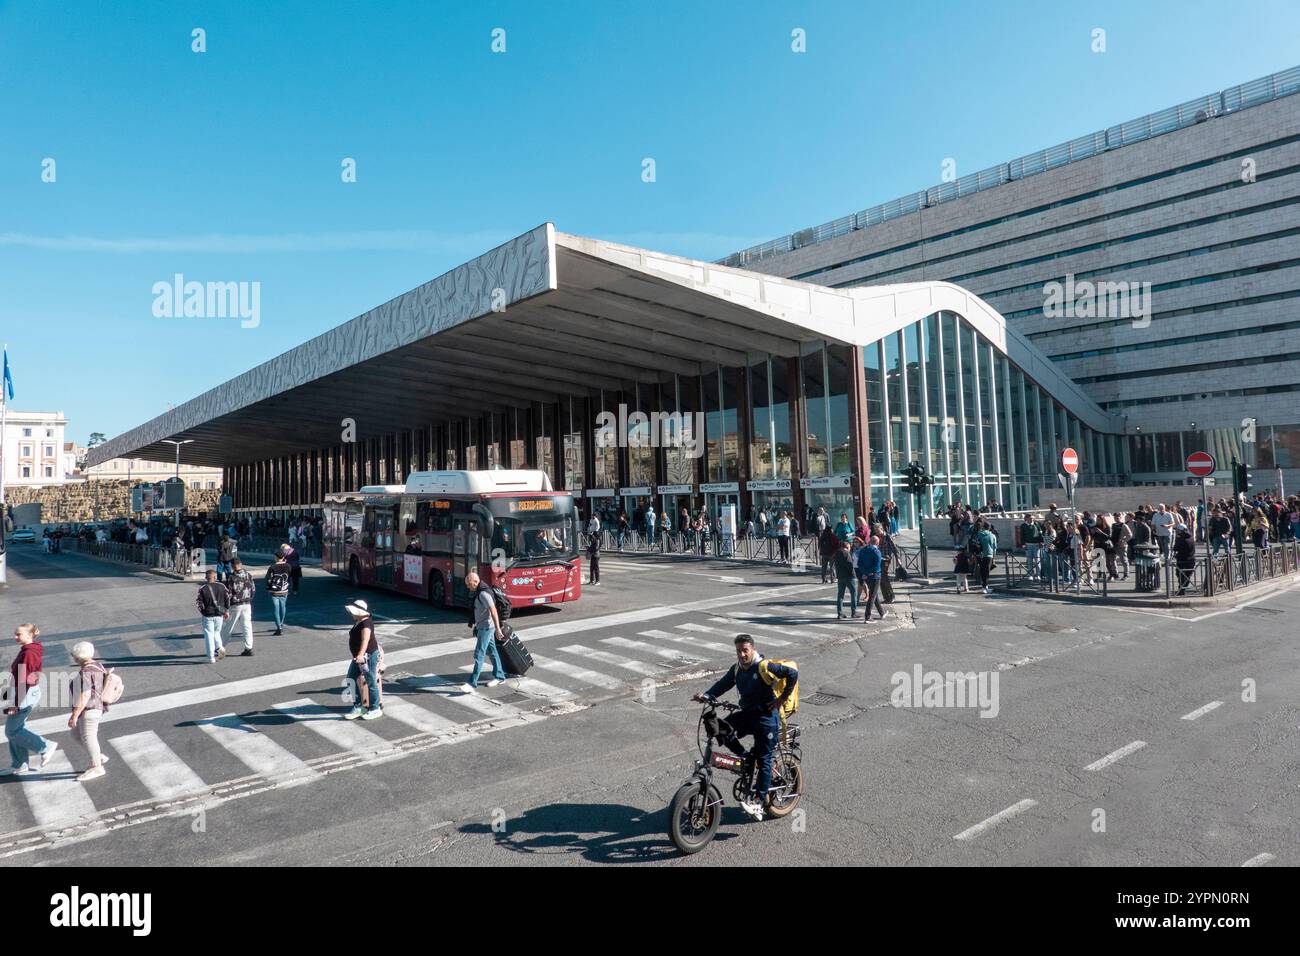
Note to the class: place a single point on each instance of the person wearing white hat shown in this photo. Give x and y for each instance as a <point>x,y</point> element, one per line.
<point>364,647</point>
<point>88,706</point>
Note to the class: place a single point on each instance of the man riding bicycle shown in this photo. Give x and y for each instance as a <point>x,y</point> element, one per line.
<point>760,711</point>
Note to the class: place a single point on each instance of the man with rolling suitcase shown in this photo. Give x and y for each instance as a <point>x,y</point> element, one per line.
<point>487,625</point>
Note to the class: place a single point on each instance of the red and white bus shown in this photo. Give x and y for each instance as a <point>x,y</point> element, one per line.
<point>424,537</point>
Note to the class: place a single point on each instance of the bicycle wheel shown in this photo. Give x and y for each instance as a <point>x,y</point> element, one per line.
<point>787,784</point>
<point>693,818</point>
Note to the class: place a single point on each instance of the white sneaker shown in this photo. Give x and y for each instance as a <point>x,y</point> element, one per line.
<point>988,590</point>
<point>884,614</point>
<point>753,808</point>
<point>493,682</point>
<point>45,755</point>
<point>467,689</point>
<point>354,713</point>
<point>14,771</point>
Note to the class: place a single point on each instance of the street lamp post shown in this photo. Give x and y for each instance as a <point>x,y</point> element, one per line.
<point>173,441</point>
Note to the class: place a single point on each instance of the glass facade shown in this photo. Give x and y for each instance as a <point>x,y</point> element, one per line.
<point>935,392</point>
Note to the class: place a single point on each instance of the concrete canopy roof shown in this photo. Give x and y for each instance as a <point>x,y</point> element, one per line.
<point>571,315</point>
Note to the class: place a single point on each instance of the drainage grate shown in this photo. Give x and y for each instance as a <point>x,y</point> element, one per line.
<point>822,698</point>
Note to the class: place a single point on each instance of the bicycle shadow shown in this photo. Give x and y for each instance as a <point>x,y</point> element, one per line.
<point>599,832</point>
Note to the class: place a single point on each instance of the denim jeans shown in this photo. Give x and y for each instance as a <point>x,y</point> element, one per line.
<point>23,742</point>
<point>852,587</point>
<point>372,679</point>
<point>212,635</point>
<point>1032,567</point>
<point>278,602</point>
<point>486,642</point>
<point>766,729</point>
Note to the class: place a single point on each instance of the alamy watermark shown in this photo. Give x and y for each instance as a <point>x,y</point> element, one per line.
<point>208,300</point>
<point>653,430</point>
<point>922,688</point>
<point>1099,300</point>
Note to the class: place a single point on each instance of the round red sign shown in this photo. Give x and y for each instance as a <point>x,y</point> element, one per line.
<point>1200,464</point>
<point>1069,461</point>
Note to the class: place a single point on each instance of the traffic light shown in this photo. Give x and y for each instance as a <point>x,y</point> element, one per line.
<point>1244,482</point>
<point>916,479</point>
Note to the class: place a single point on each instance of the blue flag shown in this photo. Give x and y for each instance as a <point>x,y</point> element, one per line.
<point>8,379</point>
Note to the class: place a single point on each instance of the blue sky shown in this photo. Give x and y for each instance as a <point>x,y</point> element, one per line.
<point>225,165</point>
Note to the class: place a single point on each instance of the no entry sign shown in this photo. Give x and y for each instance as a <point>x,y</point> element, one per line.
<point>1069,461</point>
<point>1200,464</point>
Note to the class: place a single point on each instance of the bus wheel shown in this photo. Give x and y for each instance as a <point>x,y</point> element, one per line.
<point>437,590</point>
<point>354,573</point>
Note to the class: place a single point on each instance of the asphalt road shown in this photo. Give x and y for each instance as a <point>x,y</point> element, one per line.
<point>1097,747</point>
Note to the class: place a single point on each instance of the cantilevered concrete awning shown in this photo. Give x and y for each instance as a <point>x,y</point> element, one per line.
<point>545,315</point>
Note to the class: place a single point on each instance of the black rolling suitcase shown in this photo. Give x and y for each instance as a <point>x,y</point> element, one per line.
<point>514,655</point>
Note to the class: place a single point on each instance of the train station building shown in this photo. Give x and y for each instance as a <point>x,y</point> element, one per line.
<point>751,389</point>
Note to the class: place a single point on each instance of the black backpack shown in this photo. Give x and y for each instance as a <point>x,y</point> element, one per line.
<point>500,599</point>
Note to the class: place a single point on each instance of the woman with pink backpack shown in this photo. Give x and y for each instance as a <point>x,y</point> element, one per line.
<point>93,690</point>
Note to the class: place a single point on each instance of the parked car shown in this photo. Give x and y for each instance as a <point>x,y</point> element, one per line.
<point>23,535</point>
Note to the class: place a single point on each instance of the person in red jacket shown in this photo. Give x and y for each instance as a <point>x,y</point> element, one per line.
<point>26,689</point>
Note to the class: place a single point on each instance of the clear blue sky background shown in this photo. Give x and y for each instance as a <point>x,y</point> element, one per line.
<point>225,165</point>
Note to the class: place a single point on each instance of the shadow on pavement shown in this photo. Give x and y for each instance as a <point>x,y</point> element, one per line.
<point>599,832</point>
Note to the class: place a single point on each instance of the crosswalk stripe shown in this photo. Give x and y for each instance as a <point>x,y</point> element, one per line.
<point>580,673</point>
<point>613,660</point>
<point>725,649</point>
<point>55,796</point>
<point>329,723</point>
<point>757,621</point>
<point>413,715</point>
<point>165,775</point>
<point>643,647</point>
<point>531,686</point>
<point>767,637</point>
<point>449,691</point>
<point>256,751</point>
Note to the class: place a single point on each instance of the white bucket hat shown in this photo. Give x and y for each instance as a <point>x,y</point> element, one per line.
<point>358,608</point>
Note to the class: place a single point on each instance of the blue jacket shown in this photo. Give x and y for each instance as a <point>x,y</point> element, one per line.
<point>755,695</point>
<point>869,561</point>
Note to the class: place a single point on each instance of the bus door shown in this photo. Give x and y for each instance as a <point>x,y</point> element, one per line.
<point>384,546</point>
<point>464,556</point>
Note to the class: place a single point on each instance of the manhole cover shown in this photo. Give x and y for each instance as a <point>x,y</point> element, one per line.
<point>1052,628</point>
<point>822,698</point>
<point>515,698</point>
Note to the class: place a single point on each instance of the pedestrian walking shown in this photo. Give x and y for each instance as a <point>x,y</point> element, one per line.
<point>869,562</point>
<point>277,580</point>
<point>226,551</point>
<point>241,587</point>
<point>593,551</point>
<point>363,645</point>
<point>828,546</point>
<point>88,707</point>
<point>213,603</point>
<point>783,536</point>
<point>988,548</point>
<point>28,750</point>
<point>487,625</point>
<point>961,570</point>
<point>1031,539</point>
<point>292,558</point>
<point>845,580</point>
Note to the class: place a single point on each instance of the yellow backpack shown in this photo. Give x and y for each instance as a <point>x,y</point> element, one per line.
<point>778,685</point>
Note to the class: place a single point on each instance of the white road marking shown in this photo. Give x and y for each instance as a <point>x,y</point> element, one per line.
<point>725,649</point>
<point>580,673</point>
<point>997,818</point>
<point>764,634</point>
<point>1260,860</point>
<point>1120,754</point>
<point>413,715</point>
<point>724,578</point>
<point>165,775</point>
<point>256,751</point>
<point>645,648</point>
<point>613,660</point>
<point>531,687</point>
<point>483,706</point>
<point>329,723</point>
<point>1202,711</point>
<point>54,795</point>
<point>934,608</point>
<point>331,671</point>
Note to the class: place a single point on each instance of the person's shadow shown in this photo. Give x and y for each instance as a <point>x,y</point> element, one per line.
<point>619,834</point>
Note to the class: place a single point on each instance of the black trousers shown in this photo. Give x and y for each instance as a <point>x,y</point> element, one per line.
<point>593,557</point>
<point>986,565</point>
<point>873,596</point>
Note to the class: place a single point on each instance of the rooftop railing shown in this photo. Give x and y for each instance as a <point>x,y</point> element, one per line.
<point>1263,90</point>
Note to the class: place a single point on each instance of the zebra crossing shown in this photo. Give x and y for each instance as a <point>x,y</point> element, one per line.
<point>180,766</point>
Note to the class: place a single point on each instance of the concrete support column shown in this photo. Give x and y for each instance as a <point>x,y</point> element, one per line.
<point>859,441</point>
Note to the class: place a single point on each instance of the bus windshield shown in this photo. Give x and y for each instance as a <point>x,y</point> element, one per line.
<point>533,530</point>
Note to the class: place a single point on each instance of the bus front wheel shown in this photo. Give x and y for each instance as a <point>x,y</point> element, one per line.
<point>354,573</point>
<point>437,590</point>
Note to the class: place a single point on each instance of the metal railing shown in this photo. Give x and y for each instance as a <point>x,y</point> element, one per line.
<point>269,544</point>
<point>170,560</point>
<point>1253,93</point>
<point>1156,574</point>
